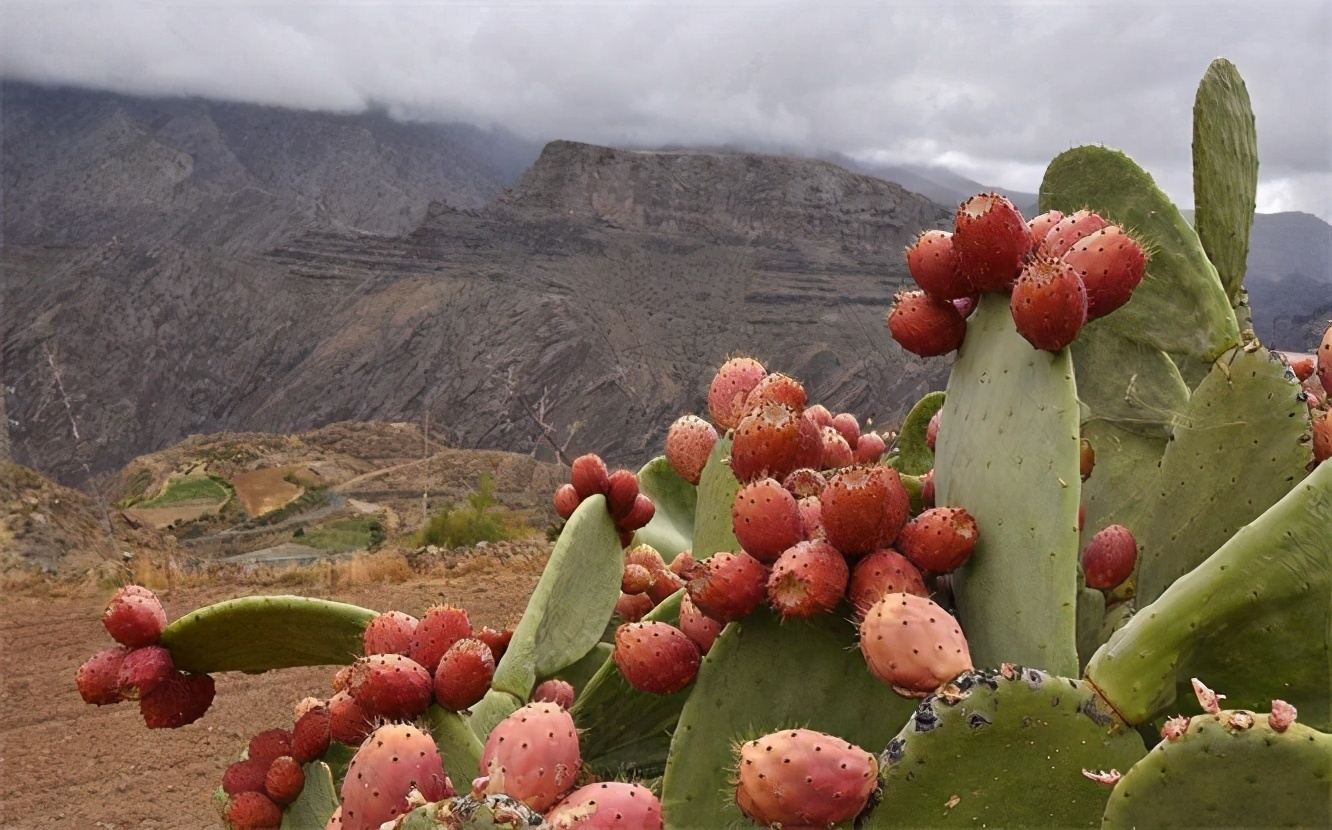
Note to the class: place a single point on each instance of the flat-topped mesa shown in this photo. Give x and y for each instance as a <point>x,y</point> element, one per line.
<point>745,194</point>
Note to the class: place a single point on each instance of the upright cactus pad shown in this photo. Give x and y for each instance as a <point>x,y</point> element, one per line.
<point>716,493</point>
<point>459,748</point>
<point>672,527</point>
<point>1008,452</point>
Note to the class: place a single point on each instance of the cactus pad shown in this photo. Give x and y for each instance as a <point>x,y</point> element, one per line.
<point>315,805</point>
<point>672,527</point>
<point>459,748</point>
<point>914,456</point>
<point>717,487</point>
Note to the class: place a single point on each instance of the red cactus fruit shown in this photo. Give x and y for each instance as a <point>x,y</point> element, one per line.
<point>912,644</point>
<point>927,489</point>
<point>646,556</point>
<point>939,539</point>
<point>924,325</point>
<point>811,518</point>
<point>310,736</point>
<point>1111,264</point>
<point>765,442</point>
<point>391,686</point>
<point>639,514</point>
<point>819,414</point>
<point>439,628</point>
<point>390,633</point>
<point>991,239</point>
<point>1049,303</point>
<point>881,573</point>
<point>655,657</point>
<point>728,586</point>
<point>1086,459</point>
<point>589,476</point>
<point>682,563</point>
<point>869,448</point>
<point>268,745</point>
<point>802,778</point>
<point>730,390</point>
<point>181,700</point>
<point>1322,436</point>
<point>1303,368</point>
<point>1325,361</point>
<point>1109,558</point>
<point>664,583</point>
<point>464,674</point>
<point>393,761</point>
<point>697,626</point>
<point>249,810</point>
<point>284,781</point>
<point>689,442</point>
<point>532,756</point>
<point>566,500</point>
<point>143,670</point>
<point>765,519</point>
<point>804,482</point>
<point>98,679</point>
<point>1067,231</point>
<point>809,578</point>
<point>809,444</point>
<point>636,579</point>
<point>245,777</point>
<point>836,452</point>
<point>622,494</point>
<point>609,805</point>
<point>497,640</point>
<point>340,679</point>
<point>779,388</point>
<point>134,617</point>
<point>848,427</point>
<point>347,721</point>
<point>932,261</point>
<point>633,607</point>
<point>556,691</point>
<point>932,429</point>
<point>1042,225</point>
<point>863,508</point>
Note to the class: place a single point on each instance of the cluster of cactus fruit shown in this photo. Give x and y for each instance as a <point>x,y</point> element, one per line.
<point>1010,604</point>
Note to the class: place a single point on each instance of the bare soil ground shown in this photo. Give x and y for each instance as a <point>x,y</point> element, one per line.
<point>263,490</point>
<point>160,517</point>
<point>66,764</point>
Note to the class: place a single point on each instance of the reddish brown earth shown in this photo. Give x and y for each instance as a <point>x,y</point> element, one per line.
<point>66,764</point>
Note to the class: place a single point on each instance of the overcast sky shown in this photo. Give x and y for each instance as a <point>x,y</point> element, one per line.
<point>991,89</point>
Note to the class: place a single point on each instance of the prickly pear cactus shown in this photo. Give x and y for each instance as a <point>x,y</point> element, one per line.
<point>459,748</point>
<point>914,456</point>
<point>716,492</point>
<point>675,501</point>
<point>492,812</point>
<point>317,801</point>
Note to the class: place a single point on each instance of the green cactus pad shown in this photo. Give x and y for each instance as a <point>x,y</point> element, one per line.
<point>622,729</point>
<point>1003,750</point>
<point>1235,453</point>
<point>759,677</point>
<point>1121,486</point>
<point>1225,172</point>
<point>914,456</point>
<point>579,673</point>
<point>672,527</point>
<point>716,493</point>
<point>1254,620</point>
<point>315,805</point>
<point>258,634</point>
<point>458,745</point>
<point>1091,622</point>
<point>1133,386</point>
<point>1224,772</point>
<point>1008,453</point>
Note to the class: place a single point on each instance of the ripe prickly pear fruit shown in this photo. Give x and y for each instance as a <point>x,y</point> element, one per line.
<point>924,325</point>
<point>1041,226</point>
<point>819,414</point>
<point>440,627</point>
<point>811,518</point>
<point>932,430</point>
<point>636,579</point>
<point>347,721</point>
<point>664,583</point>
<point>532,756</point>
<point>1322,436</point>
<point>927,489</point>
<point>848,427</point>
<point>390,686</point>
<point>589,476</point>
<point>143,670</point>
<point>809,445</point>
<point>1325,361</point>
<point>802,778</point>
<point>655,657</point>
<point>609,805</point>
<point>1049,303</point>
<point>992,240</point>
<point>464,674</point>
<point>566,501</point>
<point>869,448</point>
<point>809,578</point>
<point>697,626</point>
<point>765,442</point>
<point>269,745</point>
<point>730,390</point>
<point>881,573</point>
<point>765,519</point>
<point>932,261</point>
<point>284,781</point>
<point>310,736</point>
<point>633,607</point>
<point>728,586</point>
<point>1111,264</point>
<point>912,644</point>
<point>393,761</point>
<point>1067,231</point>
<point>640,513</point>
<point>181,700</point>
<point>134,617</point>
<point>804,482</point>
<point>779,388</point>
<point>498,641</point>
<point>1109,558</point>
<point>244,777</point>
<point>1303,368</point>
<point>98,679</point>
<point>646,556</point>
<point>556,691</point>
<point>939,539</point>
<point>863,508</point>
<point>390,633</point>
<point>252,810</point>
<point>1086,459</point>
<point>622,494</point>
<point>836,453</point>
<point>683,562</point>
<point>689,442</point>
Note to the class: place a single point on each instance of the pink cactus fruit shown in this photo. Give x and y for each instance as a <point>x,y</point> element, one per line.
<point>335,820</point>
<point>689,442</point>
<point>347,721</point>
<point>966,305</point>
<point>809,578</point>
<point>728,586</point>
<point>566,500</point>
<point>1283,715</point>
<point>730,390</point>
<point>803,482</point>
<point>802,778</point>
<point>927,489</point>
<point>622,492</point>
<point>765,519</point>
<point>819,414</point>
<point>1041,225</point>
<point>438,630</point>
<point>390,686</point>
<point>252,810</point>
<point>284,780</point>
<point>939,539</point>
<point>1175,728</point>
<point>636,579</point>
<point>1209,700</point>
<point>932,261</point>
<point>932,429</point>
<point>464,674</point>
<point>809,445</point>
<point>1067,231</point>
<point>655,657</point>
<point>869,448</point>
<point>765,442</point>
<point>609,805</point>
<point>589,476</point>
<point>498,641</point>
<point>393,760</point>
<point>682,563</point>
<point>269,745</point>
<point>390,633</point>
<point>848,427</point>
<point>633,607</point>
<point>664,583</point>
<point>881,573</point>
<point>811,518</point>
<point>780,388</point>
<point>697,626</point>
<point>1111,264</point>
<point>912,644</point>
<point>556,691</point>
<point>98,679</point>
<point>311,734</point>
<point>532,756</point>
<point>864,508</point>
<point>134,617</point>
<point>836,453</point>
<point>1109,558</point>
<point>181,700</point>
